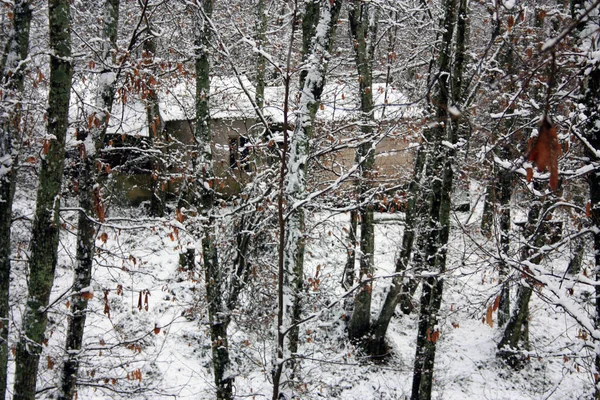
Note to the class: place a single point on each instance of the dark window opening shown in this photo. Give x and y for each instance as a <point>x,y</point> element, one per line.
<point>239,153</point>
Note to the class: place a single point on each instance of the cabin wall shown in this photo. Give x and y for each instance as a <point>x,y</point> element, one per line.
<point>393,161</point>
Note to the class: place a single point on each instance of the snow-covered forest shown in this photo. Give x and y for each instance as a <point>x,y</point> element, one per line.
<point>300,199</point>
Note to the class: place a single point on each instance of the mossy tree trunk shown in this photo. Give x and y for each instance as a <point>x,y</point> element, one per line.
<point>89,196</point>
<point>441,174</point>
<point>12,69</point>
<point>363,28</point>
<point>203,200</point>
<point>46,226</point>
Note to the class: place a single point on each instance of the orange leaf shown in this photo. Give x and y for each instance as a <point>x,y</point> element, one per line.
<point>488,317</point>
<point>87,295</point>
<point>496,303</point>
<point>50,362</point>
<point>546,150</point>
<point>104,237</point>
<point>433,337</point>
<point>156,329</point>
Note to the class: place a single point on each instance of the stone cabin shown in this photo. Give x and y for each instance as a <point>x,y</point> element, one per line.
<point>238,134</point>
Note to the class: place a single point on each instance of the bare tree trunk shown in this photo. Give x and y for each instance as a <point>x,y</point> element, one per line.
<point>591,100</point>
<point>363,27</point>
<point>12,70</point>
<point>218,314</point>
<point>349,273</point>
<point>155,128</point>
<point>438,231</point>
<point>44,236</point>
<point>295,185</point>
<point>88,196</point>
<point>516,333</point>
<point>261,61</point>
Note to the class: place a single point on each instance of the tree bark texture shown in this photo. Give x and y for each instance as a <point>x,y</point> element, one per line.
<point>440,173</point>
<point>218,314</point>
<point>349,273</point>
<point>44,236</point>
<point>12,69</point>
<point>363,29</point>
<point>592,101</point>
<point>295,189</point>
<point>312,83</point>
<point>261,61</point>
<point>155,128</point>
<point>89,196</point>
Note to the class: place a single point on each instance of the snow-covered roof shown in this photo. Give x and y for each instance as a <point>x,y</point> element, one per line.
<point>341,102</point>
<point>229,100</point>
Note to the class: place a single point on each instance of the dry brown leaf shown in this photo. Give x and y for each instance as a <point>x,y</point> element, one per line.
<point>496,303</point>
<point>545,151</point>
<point>489,317</point>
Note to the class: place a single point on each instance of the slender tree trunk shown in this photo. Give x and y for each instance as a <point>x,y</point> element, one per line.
<point>363,28</point>
<point>261,61</point>
<point>44,239</point>
<point>155,127</point>
<point>516,333</point>
<point>218,314</point>
<point>592,100</point>
<point>313,82</point>
<point>505,181</point>
<point>401,290</point>
<point>88,196</point>
<point>12,69</point>
<point>349,273</point>
<point>437,234</point>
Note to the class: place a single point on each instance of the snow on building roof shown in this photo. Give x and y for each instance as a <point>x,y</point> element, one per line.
<point>341,102</point>
<point>229,100</point>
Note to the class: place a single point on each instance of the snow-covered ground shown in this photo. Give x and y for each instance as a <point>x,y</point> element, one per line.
<point>147,335</point>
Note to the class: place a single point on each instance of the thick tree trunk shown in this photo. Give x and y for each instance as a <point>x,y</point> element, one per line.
<point>88,196</point>
<point>12,70</point>
<point>363,28</point>
<point>44,236</point>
